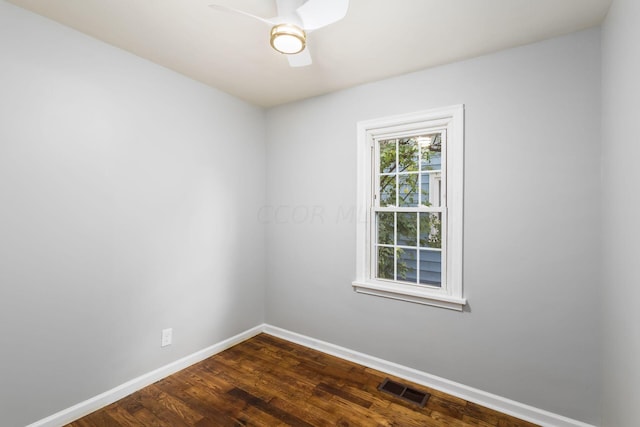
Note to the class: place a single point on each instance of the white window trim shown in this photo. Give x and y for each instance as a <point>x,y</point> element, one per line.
<point>452,119</point>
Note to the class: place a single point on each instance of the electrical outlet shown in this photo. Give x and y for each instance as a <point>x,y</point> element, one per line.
<point>167,337</point>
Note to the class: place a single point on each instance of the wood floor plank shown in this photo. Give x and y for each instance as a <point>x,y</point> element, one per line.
<point>98,419</point>
<point>121,415</point>
<point>344,394</point>
<point>168,408</point>
<point>213,405</point>
<point>281,391</point>
<point>475,422</point>
<point>446,407</point>
<point>313,414</point>
<point>268,382</point>
<point>265,407</point>
<point>145,417</point>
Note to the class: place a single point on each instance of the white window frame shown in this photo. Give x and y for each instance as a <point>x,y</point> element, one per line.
<point>451,119</point>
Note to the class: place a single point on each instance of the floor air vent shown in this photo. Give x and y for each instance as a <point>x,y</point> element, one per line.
<point>403,392</point>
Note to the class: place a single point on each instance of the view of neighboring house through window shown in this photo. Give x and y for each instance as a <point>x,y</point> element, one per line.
<point>408,207</point>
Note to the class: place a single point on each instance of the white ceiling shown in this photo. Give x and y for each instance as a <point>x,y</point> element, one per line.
<point>377,39</point>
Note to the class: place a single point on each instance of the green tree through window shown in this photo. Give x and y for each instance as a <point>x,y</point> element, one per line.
<point>408,168</point>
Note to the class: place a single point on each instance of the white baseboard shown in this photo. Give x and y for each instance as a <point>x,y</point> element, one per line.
<point>498,403</point>
<point>108,397</point>
<point>489,400</point>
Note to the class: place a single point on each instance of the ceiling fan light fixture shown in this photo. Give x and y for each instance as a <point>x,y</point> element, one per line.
<point>288,39</point>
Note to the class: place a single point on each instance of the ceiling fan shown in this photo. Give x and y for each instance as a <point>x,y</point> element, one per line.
<point>295,19</point>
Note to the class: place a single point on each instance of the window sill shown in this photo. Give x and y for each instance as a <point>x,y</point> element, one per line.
<point>410,294</point>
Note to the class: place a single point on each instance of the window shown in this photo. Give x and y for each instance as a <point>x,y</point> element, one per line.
<point>410,181</point>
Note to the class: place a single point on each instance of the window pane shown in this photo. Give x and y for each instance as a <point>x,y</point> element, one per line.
<point>408,187</point>
<point>408,155</point>
<point>407,265</point>
<point>387,156</point>
<point>407,227</point>
<point>430,152</point>
<point>431,230</point>
<point>431,268</point>
<point>385,227</point>
<point>388,190</point>
<point>431,187</point>
<point>385,263</point>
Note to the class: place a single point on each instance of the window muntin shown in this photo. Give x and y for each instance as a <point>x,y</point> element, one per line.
<point>408,208</point>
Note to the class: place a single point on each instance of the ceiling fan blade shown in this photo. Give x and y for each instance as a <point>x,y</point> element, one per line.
<point>240,12</point>
<point>301,59</point>
<point>319,13</point>
<point>288,7</point>
<point>287,12</point>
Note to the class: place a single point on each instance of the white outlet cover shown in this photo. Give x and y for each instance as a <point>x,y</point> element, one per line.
<point>167,336</point>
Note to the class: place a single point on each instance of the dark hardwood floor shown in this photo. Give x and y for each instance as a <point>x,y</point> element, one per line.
<point>266,381</point>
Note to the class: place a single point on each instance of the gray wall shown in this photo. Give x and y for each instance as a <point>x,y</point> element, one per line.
<point>123,210</point>
<point>532,225</point>
<point>621,211</point>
